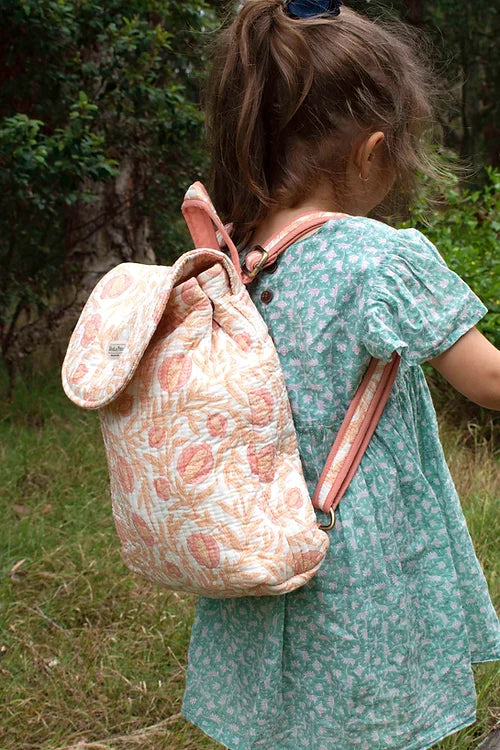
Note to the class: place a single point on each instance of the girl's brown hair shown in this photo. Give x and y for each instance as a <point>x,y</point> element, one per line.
<point>287,98</point>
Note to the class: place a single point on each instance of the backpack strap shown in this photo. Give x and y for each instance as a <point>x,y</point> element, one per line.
<point>265,255</point>
<point>374,390</point>
<point>202,218</point>
<point>355,433</point>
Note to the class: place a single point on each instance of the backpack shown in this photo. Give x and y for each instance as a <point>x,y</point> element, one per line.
<point>207,489</point>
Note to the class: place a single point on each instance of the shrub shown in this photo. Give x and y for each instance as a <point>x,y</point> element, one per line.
<point>466,231</point>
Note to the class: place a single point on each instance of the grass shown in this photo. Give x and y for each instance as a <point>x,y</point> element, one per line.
<point>91,656</point>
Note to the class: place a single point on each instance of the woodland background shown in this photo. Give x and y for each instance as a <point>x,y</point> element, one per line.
<point>100,135</point>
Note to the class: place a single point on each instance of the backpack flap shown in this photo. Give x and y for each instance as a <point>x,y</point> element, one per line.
<point>113,332</point>
<point>119,320</point>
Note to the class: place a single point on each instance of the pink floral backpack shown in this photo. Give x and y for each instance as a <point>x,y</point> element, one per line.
<point>207,488</point>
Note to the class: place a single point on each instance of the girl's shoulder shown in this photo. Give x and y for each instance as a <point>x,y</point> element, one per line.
<point>378,243</point>
<point>410,301</point>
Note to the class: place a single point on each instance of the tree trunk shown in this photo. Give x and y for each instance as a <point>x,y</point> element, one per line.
<point>99,236</point>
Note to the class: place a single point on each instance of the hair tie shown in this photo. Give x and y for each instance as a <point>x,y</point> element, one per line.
<point>311,8</point>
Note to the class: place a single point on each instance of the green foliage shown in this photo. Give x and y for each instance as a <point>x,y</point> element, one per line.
<point>85,86</point>
<point>41,174</point>
<point>466,231</point>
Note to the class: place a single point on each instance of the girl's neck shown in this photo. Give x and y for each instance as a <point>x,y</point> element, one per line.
<point>361,193</point>
<point>280,217</point>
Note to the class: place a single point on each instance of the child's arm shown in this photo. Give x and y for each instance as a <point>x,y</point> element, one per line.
<point>472,366</point>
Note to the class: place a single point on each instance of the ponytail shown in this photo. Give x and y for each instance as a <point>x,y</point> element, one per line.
<point>256,89</point>
<point>288,97</point>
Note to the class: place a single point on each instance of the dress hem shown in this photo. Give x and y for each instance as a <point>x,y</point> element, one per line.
<point>481,659</point>
<point>213,732</point>
<point>467,723</point>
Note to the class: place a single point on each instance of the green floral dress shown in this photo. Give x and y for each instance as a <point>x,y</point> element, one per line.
<point>375,652</point>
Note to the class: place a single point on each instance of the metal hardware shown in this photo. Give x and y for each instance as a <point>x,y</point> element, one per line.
<point>260,265</point>
<point>332,521</point>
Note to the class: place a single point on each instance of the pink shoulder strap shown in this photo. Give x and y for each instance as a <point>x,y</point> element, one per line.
<point>371,396</point>
<point>355,433</point>
<point>202,219</point>
<point>266,255</point>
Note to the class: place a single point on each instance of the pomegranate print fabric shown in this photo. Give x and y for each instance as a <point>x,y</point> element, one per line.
<point>206,481</point>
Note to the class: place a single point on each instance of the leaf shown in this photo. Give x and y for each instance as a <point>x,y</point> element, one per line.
<point>15,573</point>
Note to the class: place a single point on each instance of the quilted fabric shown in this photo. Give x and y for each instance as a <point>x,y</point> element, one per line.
<point>206,480</point>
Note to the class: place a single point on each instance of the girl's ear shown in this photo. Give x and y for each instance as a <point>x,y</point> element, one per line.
<point>366,153</point>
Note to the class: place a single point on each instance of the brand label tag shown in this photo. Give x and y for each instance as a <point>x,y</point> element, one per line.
<point>115,349</point>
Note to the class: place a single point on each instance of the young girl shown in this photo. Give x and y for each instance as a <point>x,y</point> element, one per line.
<point>312,108</point>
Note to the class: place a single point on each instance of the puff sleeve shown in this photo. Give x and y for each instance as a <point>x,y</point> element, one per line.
<point>414,304</point>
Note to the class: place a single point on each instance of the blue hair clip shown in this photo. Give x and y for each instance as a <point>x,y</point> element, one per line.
<point>311,8</point>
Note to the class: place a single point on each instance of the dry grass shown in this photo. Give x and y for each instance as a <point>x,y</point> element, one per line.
<point>91,657</point>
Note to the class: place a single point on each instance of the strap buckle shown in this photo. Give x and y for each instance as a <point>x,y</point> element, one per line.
<point>260,265</point>
<point>332,521</point>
